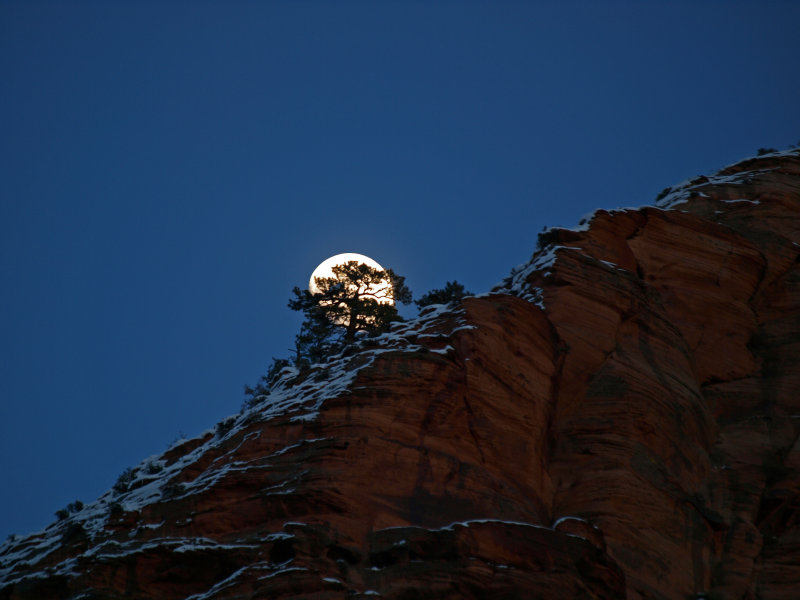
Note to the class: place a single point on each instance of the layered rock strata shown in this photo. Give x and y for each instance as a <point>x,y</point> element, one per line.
<point>618,419</point>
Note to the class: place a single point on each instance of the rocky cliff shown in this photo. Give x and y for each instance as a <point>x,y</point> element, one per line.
<point>618,419</point>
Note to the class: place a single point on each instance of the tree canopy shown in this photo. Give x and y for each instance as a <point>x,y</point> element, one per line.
<point>357,298</point>
<point>452,293</point>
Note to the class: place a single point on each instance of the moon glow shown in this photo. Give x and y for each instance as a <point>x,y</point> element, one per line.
<point>325,269</point>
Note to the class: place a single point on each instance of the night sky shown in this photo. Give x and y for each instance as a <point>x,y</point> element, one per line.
<point>170,170</point>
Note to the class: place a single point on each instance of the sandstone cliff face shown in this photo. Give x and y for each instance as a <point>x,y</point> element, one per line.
<point>618,419</point>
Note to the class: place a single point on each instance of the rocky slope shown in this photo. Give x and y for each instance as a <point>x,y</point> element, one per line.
<point>618,419</point>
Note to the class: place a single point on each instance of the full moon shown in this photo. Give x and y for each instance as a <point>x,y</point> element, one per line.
<point>325,269</point>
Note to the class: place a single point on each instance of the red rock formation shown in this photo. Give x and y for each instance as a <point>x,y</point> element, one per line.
<point>619,419</point>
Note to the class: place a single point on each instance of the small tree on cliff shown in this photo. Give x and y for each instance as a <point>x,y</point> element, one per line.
<point>357,298</point>
<point>452,293</point>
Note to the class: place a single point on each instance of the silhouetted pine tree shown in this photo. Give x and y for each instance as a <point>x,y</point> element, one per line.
<point>353,300</point>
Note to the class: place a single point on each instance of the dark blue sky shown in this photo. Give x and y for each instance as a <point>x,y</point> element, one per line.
<point>170,170</point>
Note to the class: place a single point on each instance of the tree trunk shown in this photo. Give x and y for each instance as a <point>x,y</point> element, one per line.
<point>350,332</point>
